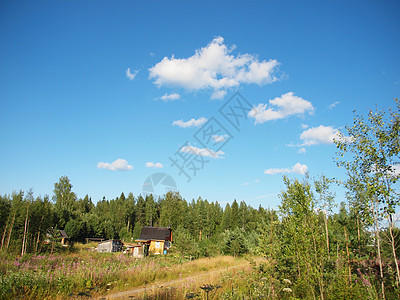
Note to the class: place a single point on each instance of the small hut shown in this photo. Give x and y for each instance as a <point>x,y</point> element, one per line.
<point>156,240</point>
<point>56,235</point>
<point>64,236</point>
<point>136,250</point>
<point>110,246</point>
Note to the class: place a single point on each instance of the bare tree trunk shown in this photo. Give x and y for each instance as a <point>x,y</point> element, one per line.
<point>3,237</point>
<point>348,254</point>
<point>37,242</point>
<point>38,236</point>
<point>9,233</point>
<point>327,234</point>
<point>392,243</point>
<point>52,247</point>
<point>337,260</point>
<point>378,239</point>
<point>319,266</point>
<point>26,238</point>
<point>358,235</point>
<point>25,229</point>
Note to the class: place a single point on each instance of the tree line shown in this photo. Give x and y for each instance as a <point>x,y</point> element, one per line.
<point>25,220</point>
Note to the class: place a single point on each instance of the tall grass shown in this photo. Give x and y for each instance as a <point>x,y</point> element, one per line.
<point>259,281</point>
<point>91,273</point>
<point>96,274</point>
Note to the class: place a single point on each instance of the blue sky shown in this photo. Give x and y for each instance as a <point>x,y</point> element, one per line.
<point>106,92</point>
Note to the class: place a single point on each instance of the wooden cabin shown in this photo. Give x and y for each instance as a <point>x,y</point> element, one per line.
<point>56,235</point>
<point>156,240</point>
<point>136,250</point>
<point>64,238</point>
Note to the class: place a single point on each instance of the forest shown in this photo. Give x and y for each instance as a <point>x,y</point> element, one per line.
<point>325,249</point>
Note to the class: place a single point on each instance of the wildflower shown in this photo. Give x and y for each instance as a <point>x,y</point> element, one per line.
<point>287,281</point>
<point>288,290</point>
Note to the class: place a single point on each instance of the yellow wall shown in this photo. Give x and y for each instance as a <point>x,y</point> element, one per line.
<point>157,247</point>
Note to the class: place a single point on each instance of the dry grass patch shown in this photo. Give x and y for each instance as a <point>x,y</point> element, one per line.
<point>180,280</point>
<point>154,271</point>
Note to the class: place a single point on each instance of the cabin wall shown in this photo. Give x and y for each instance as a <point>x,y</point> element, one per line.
<point>138,252</point>
<point>109,246</point>
<point>104,247</point>
<point>157,247</point>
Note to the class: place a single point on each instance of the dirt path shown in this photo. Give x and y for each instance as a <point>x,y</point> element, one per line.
<point>157,285</point>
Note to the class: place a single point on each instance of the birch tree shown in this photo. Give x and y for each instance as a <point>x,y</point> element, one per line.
<point>325,202</point>
<point>369,150</point>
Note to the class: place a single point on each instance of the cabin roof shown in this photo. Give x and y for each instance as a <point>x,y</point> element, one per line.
<point>110,241</point>
<point>63,234</point>
<point>156,233</point>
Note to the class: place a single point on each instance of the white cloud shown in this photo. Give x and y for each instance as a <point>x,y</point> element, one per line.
<point>302,150</point>
<point>319,135</point>
<point>218,94</point>
<point>285,106</point>
<point>117,165</point>
<point>213,67</point>
<point>170,97</point>
<point>300,169</point>
<point>202,152</point>
<point>245,183</point>
<point>297,169</point>
<point>154,165</point>
<point>274,171</point>
<point>304,126</point>
<point>219,138</point>
<point>190,123</point>
<point>394,171</point>
<point>333,105</point>
<point>256,181</point>
<point>131,75</point>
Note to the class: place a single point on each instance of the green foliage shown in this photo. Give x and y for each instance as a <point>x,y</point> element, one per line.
<point>369,151</point>
<point>184,242</point>
<point>268,235</point>
<point>302,238</point>
<point>65,202</point>
<point>74,229</point>
<point>234,243</point>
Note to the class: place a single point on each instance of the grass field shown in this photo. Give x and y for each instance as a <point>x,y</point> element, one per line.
<point>86,274</point>
<point>94,274</point>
